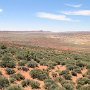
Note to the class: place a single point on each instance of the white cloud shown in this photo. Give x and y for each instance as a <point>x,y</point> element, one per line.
<point>78,12</point>
<point>1,10</point>
<point>74,5</point>
<point>53,16</point>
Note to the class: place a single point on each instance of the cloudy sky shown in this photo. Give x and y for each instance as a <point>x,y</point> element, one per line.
<point>47,15</point>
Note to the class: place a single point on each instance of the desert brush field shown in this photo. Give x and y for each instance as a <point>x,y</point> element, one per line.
<point>44,61</point>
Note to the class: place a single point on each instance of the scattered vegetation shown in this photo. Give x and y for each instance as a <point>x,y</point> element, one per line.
<point>22,67</point>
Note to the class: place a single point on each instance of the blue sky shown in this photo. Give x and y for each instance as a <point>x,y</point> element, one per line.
<point>47,15</point>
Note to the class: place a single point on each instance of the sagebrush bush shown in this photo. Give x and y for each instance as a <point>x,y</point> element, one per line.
<point>68,86</point>
<point>12,80</point>
<point>22,63</point>
<point>74,73</point>
<point>32,64</point>
<point>34,84</point>
<point>51,85</point>
<point>25,82</point>
<point>10,71</point>
<point>86,87</point>
<point>67,76</point>
<point>8,62</point>
<point>14,87</point>
<point>65,72</point>
<point>83,81</point>
<point>24,68</point>
<point>18,76</point>
<point>41,75</point>
<point>4,82</point>
<point>3,47</point>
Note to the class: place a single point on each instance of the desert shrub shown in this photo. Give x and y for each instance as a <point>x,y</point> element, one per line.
<point>80,64</point>
<point>63,63</point>
<point>59,79</point>
<point>22,63</point>
<point>50,85</point>
<point>10,71</point>
<point>77,70</point>
<point>70,67</point>
<point>74,73</point>
<point>66,81</point>
<point>51,64</point>
<point>68,86</point>
<point>67,76</point>
<point>8,62</point>
<point>86,87</point>
<point>21,55</point>
<point>43,62</point>
<point>18,76</point>
<point>83,81</point>
<point>65,72</point>
<point>32,64</point>
<point>77,57</point>
<point>88,74</point>
<point>12,80</point>
<point>88,66</point>
<point>25,82</point>
<point>4,82</point>
<point>41,75</point>
<point>34,84</point>
<point>24,68</point>
<point>3,47</point>
<point>14,87</point>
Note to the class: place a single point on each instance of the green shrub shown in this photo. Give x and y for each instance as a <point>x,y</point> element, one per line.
<point>66,81</point>
<point>80,64</point>
<point>65,72</point>
<point>42,62</point>
<point>41,75</point>
<point>34,84</point>
<point>25,82</point>
<point>51,85</point>
<point>59,79</point>
<point>67,76</point>
<point>10,71</point>
<point>24,68</point>
<point>83,81</point>
<point>18,76</point>
<point>70,67</point>
<point>3,47</point>
<point>12,80</point>
<point>74,73</point>
<point>86,87</point>
<point>68,86</point>
<point>32,64</point>
<point>77,70</point>
<point>21,55</point>
<point>4,82</point>
<point>8,62</point>
<point>14,87</point>
<point>88,66</point>
<point>22,63</point>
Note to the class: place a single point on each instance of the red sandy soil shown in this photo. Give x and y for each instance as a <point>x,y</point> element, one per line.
<point>74,78</point>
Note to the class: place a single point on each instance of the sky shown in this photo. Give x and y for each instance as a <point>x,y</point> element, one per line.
<point>47,15</point>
